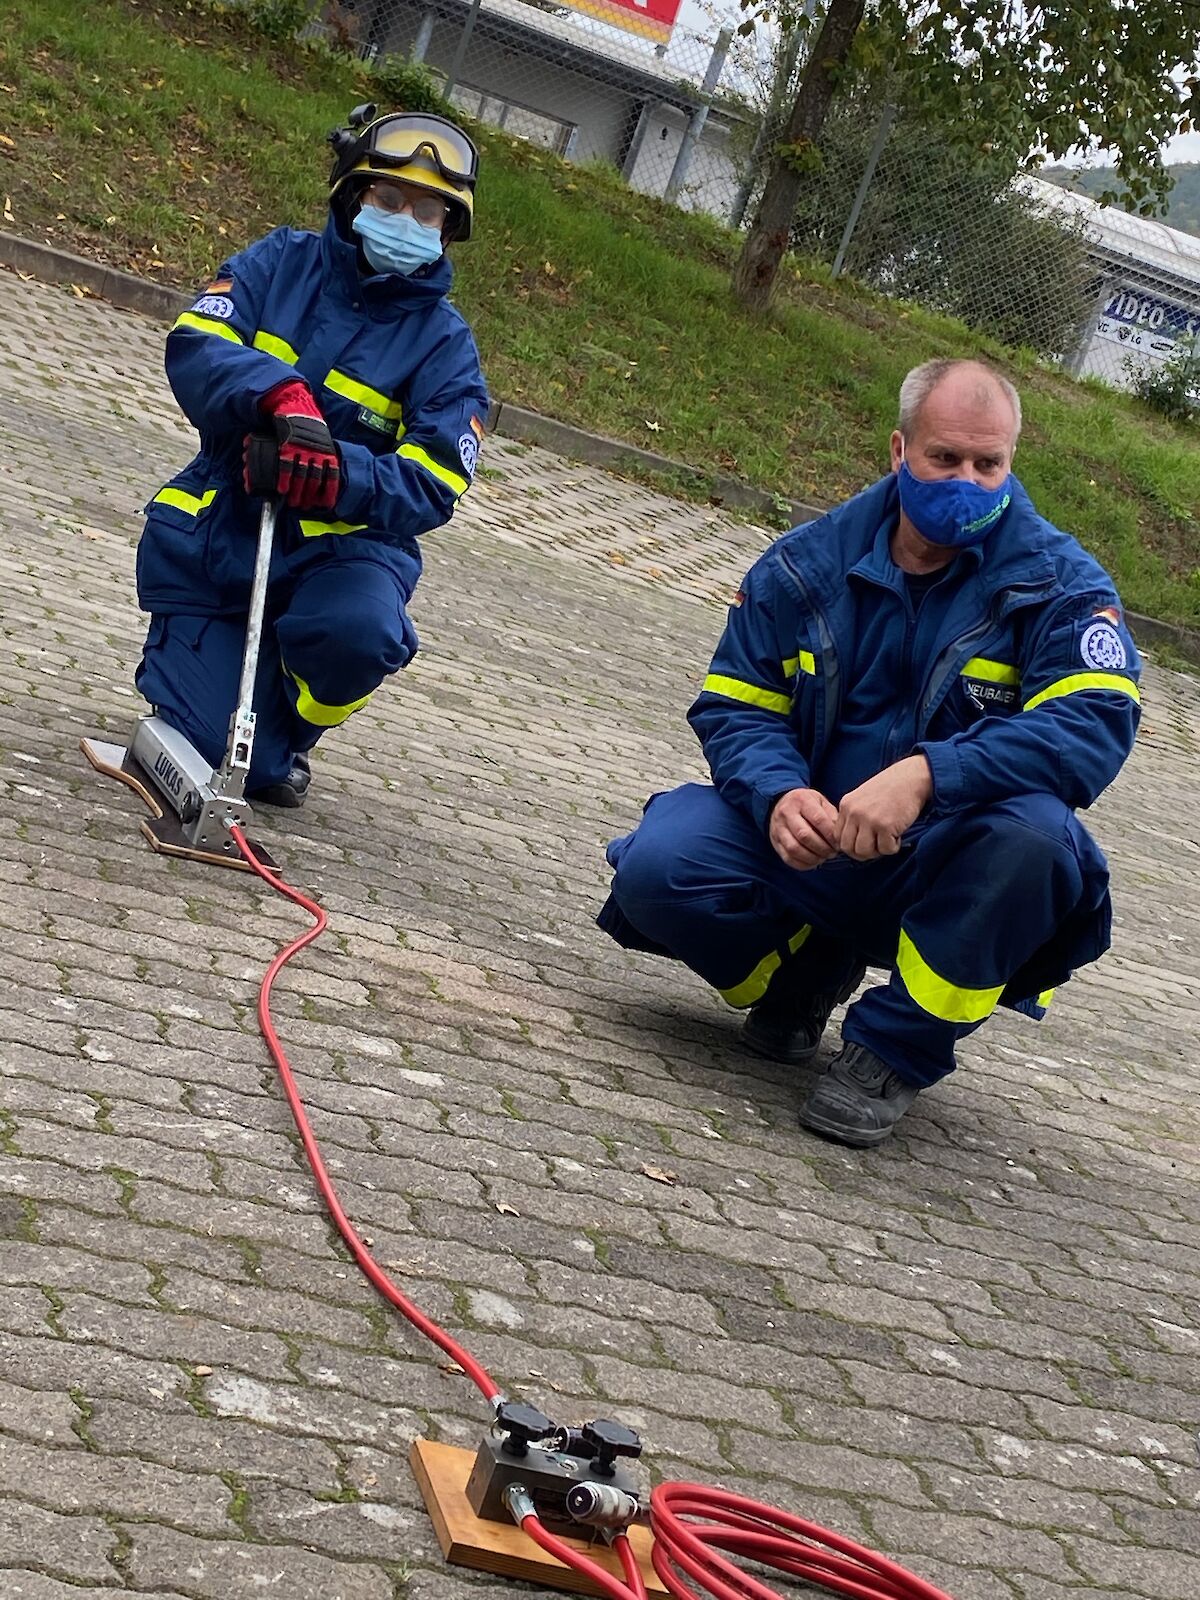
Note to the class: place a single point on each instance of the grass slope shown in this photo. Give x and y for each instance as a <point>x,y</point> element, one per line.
<point>162,138</point>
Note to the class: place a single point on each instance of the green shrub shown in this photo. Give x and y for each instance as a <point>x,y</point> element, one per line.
<point>404,85</point>
<point>1172,387</point>
<point>279,20</point>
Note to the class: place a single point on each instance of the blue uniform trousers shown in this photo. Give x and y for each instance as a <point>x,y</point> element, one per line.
<point>329,639</point>
<point>964,909</point>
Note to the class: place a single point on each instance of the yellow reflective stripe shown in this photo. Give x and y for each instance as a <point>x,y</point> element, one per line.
<point>312,529</point>
<point>189,319</point>
<point>1081,681</point>
<point>452,480</point>
<point>804,662</point>
<point>991,671</point>
<point>934,994</point>
<point>752,989</point>
<point>1045,997</point>
<point>315,711</point>
<point>183,501</point>
<point>362,394</point>
<point>275,347</point>
<point>735,689</point>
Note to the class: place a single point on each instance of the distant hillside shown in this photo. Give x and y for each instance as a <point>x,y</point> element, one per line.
<point>1183,211</point>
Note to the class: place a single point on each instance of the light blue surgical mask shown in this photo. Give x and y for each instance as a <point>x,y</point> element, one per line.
<point>395,241</point>
<point>952,512</point>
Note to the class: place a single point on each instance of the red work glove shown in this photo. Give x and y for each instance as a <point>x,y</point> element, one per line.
<point>297,460</point>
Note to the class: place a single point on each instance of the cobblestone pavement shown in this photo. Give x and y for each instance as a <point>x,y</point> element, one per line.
<point>975,1348</point>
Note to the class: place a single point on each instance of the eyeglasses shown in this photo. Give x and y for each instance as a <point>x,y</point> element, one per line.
<point>426,208</point>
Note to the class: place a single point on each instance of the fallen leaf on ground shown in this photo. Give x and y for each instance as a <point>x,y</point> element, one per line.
<point>660,1174</point>
<point>451,1368</point>
<point>505,1210</point>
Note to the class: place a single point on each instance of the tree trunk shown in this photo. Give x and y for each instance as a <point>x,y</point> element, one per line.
<point>757,269</point>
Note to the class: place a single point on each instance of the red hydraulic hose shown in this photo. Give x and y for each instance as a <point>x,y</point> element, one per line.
<point>629,1566</point>
<point>686,1554</point>
<point>371,1269</point>
<point>774,1538</point>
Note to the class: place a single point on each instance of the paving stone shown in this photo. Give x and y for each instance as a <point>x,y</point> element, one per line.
<point>365,1530</point>
<point>223,1570</point>
<point>248,1449</point>
<point>1165,1574</point>
<point>305,1410</point>
<point>822,1466</point>
<point>971,1539</point>
<point>1072,1466</point>
<point>33,1414</point>
<point>42,1362</point>
<point>35,1586</point>
<point>1023,1501</point>
<point>683,1394</point>
<point>74,1547</point>
<point>81,1481</point>
<point>174,1336</point>
<point>1110,1432</point>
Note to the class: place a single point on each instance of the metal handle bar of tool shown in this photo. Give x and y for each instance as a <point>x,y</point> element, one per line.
<point>240,747</point>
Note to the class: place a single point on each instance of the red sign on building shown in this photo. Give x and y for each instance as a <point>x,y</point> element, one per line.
<point>649,19</point>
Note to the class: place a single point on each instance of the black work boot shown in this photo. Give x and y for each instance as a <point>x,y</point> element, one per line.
<point>789,1020</point>
<point>858,1100</point>
<point>291,793</point>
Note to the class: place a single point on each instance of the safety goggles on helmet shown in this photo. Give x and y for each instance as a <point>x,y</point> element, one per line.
<point>404,137</point>
<point>415,147</point>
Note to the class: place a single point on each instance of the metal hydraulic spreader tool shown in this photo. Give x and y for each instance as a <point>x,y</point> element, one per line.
<point>194,806</point>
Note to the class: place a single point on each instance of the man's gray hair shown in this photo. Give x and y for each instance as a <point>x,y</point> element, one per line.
<point>923,380</point>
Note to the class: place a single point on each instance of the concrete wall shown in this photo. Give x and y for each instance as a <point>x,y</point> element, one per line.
<point>712,177</point>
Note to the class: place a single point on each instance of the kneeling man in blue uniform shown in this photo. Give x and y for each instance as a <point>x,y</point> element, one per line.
<point>911,699</point>
<point>330,372</point>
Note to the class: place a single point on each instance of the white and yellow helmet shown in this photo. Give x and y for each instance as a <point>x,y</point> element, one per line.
<point>414,146</point>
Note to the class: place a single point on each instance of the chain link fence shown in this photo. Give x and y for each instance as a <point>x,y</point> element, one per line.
<point>886,200</point>
<point>695,113</point>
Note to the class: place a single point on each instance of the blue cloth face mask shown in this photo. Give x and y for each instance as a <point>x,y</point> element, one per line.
<point>951,511</point>
<point>394,241</point>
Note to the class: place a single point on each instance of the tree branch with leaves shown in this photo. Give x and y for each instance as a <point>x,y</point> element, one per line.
<point>1017,82</point>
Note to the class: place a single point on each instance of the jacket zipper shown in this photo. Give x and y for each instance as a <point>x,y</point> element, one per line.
<point>958,652</point>
<point>831,678</point>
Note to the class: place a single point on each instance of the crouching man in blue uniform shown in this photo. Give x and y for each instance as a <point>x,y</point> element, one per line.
<point>912,697</point>
<point>330,371</point>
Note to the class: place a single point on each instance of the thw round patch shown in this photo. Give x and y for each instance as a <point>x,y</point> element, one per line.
<point>1101,646</point>
<point>468,452</point>
<point>214,305</point>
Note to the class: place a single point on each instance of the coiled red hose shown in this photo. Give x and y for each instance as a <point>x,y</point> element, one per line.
<point>692,1524</point>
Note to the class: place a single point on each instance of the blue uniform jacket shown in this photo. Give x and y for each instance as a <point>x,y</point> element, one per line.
<point>1016,675</point>
<point>394,369</point>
